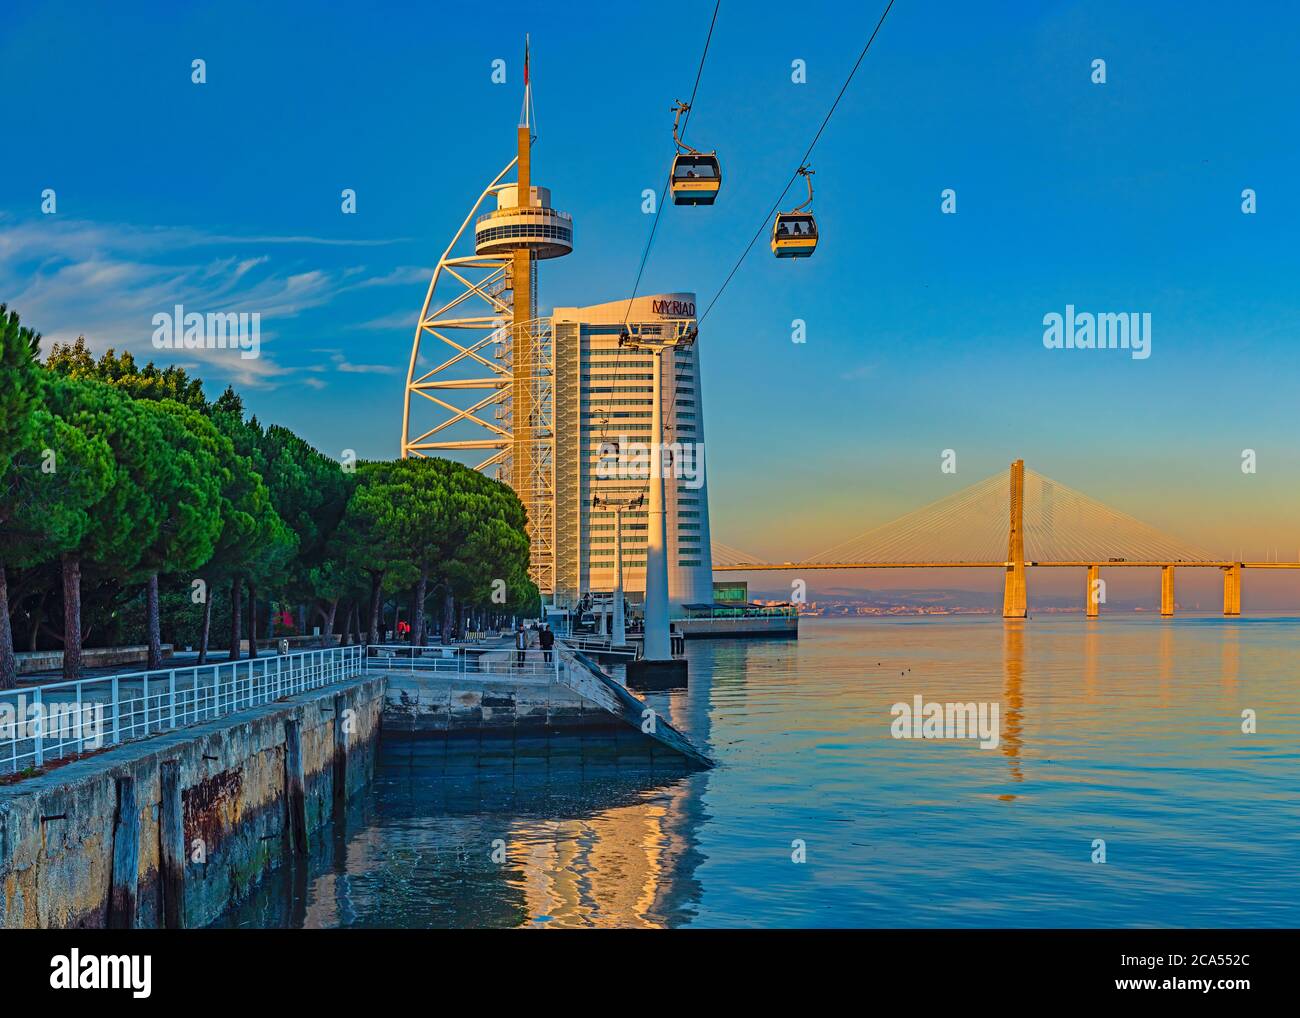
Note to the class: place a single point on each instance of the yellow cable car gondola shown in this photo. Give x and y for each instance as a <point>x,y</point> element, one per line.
<point>794,234</point>
<point>696,175</point>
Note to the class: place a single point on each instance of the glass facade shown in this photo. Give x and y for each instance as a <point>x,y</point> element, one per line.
<point>601,450</point>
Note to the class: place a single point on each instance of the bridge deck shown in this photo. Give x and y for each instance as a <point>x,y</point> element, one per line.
<point>1075,564</point>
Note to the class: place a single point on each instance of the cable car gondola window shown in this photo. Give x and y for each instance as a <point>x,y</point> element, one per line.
<point>695,166</point>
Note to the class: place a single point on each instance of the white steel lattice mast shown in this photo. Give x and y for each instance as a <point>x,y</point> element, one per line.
<point>481,362</point>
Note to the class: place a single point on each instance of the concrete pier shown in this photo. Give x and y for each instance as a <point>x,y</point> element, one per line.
<point>576,696</point>
<point>741,626</point>
<point>1232,589</point>
<point>1092,593</point>
<point>418,704</point>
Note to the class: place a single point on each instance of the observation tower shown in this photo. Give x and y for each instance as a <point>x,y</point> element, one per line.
<point>482,364</point>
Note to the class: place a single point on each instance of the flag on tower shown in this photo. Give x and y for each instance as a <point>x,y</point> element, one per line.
<point>525,61</point>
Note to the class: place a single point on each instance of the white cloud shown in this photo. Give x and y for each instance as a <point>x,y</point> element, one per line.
<point>106,282</point>
<point>403,275</point>
<point>341,363</point>
<point>404,320</point>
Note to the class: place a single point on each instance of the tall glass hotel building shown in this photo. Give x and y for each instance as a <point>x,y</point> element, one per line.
<point>603,395</point>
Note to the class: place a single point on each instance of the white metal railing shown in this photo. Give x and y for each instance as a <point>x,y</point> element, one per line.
<point>598,644</point>
<point>59,719</point>
<point>747,613</point>
<point>535,211</point>
<point>458,660</point>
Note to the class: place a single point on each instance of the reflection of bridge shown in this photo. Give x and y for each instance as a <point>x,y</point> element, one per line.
<point>977,528</point>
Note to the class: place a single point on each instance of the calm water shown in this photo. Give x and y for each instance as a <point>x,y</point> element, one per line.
<point>1128,729</point>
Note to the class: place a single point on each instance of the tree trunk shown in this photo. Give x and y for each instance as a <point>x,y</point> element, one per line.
<point>376,582</point>
<point>236,612</point>
<point>417,623</point>
<point>154,623</point>
<point>252,620</point>
<point>448,610</point>
<point>8,663</point>
<point>354,622</point>
<point>207,623</point>
<point>37,617</point>
<point>328,628</point>
<point>71,617</point>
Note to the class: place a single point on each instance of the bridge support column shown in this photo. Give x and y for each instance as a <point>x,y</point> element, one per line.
<point>1232,589</point>
<point>1167,591</point>
<point>1013,592</point>
<point>1093,591</point>
<point>1013,586</point>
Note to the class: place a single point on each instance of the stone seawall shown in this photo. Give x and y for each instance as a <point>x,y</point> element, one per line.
<point>577,699</point>
<point>57,829</point>
<point>419,704</point>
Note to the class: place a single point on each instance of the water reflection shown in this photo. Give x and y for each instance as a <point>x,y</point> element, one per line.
<point>1125,728</point>
<point>469,834</point>
<point>1013,664</point>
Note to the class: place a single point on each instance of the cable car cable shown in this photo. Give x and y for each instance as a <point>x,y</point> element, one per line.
<point>690,106</point>
<point>654,226</point>
<point>802,162</point>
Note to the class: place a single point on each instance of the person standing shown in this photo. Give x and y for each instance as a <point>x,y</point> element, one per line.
<point>521,644</point>
<point>547,639</point>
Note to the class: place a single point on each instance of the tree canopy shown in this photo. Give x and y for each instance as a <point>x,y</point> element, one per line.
<point>163,499</point>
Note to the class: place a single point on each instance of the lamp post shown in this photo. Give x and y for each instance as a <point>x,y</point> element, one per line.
<point>657,668</point>
<point>618,636</point>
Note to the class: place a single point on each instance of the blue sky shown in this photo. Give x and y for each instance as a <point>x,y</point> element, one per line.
<point>923,330</point>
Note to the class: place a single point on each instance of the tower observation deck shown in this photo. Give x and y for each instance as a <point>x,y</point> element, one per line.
<point>534,227</point>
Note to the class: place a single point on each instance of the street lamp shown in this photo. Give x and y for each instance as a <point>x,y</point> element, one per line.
<point>618,637</point>
<point>657,667</point>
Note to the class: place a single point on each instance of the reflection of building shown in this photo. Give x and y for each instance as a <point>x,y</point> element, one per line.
<point>603,397</point>
<point>627,866</point>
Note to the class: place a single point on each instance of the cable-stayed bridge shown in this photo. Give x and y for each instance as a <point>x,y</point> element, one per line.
<point>1014,521</point>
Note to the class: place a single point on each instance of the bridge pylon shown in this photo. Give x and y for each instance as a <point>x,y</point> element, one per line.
<point>1232,589</point>
<point>1013,586</point>
<point>1092,591</point>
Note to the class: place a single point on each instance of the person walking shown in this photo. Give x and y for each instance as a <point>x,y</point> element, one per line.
<point>521,644</point>
<point>547,639</point>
